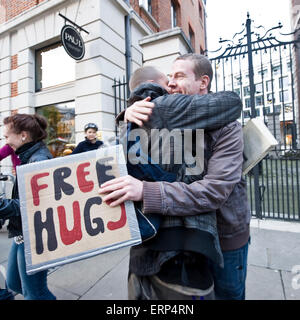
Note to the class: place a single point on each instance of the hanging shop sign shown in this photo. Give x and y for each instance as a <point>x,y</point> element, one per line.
<point>64,218</point>
<point>72,42</point>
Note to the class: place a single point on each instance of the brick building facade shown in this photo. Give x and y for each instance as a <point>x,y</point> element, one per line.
<point>189,15</point>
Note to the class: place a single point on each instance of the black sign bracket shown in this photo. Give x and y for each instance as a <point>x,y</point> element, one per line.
<point>74,24</point>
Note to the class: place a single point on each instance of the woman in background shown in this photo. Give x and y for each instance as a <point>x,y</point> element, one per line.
<point>24,133</point>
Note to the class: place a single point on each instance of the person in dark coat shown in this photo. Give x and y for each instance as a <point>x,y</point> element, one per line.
<point>25,134</point>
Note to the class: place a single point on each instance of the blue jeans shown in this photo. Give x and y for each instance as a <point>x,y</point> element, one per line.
<point>230,281</point>
<point>32,287</point>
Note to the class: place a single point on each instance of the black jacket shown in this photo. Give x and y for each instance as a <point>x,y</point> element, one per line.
<point>10,208</point>
<point>87,145</point>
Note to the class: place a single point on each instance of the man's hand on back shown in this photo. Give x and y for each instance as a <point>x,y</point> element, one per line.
<point>139,112</point>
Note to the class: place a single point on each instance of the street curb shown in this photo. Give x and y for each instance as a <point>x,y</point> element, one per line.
<point>276,225</point>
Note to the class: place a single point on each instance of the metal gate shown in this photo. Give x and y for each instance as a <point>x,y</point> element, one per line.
<point>262,72</point>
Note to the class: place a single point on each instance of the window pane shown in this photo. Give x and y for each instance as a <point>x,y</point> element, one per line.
<point>275,70</point>
<point>53,67</point>
<point>270,98</point>
<point>283,82</point>
<point>61,126</point>
<point>284,96</point>
<point>258,88</point>
<point>269,85</point>
<point>247,114</point>
<point>259,101</point>
<point>246,91</point>
<point>247,103</point>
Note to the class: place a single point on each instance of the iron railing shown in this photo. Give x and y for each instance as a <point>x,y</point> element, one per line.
<point>262,72</point>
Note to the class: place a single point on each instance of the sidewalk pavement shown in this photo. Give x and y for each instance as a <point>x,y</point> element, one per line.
<point>273,268</point>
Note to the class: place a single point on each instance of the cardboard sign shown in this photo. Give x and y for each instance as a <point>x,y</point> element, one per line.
<point>63,216</point>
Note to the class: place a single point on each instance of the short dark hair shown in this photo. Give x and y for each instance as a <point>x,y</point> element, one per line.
<point>202,65</point>
<point>144,74</point>
<point>34,124</point>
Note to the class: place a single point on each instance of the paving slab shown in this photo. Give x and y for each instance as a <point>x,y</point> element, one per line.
<point>291,283</point>
<point>108,288</point>
<point>78,277</point>
<point>263,284</point>
<point>274,249</point>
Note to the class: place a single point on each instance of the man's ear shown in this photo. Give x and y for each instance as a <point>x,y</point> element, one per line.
<point>205,80</point>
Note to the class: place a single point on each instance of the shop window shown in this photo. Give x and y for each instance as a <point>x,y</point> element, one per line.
<point>53,67</point>
<point>61,127</point>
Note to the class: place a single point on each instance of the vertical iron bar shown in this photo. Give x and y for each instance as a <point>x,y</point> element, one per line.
<point>293,194</point>
<point>277,186</point>
<point>282,98</point>
<point>120,98</point>
<point>263,86</point>
<point>232,87</point>
<point>115,100</point>
<point>273,96</point>
<point>262,193</point>
<point>224,79</point>
<point>267,182</point>
<point>216,76</point>
<point>272,181</point>
<point>253,114</point>
<point>287,186</point>
<point>125,92</point>
<point>251,195</point>
<point>298,189</point>
<point>282,189</point>
<point>294,131</point>
<point>127,51</point>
